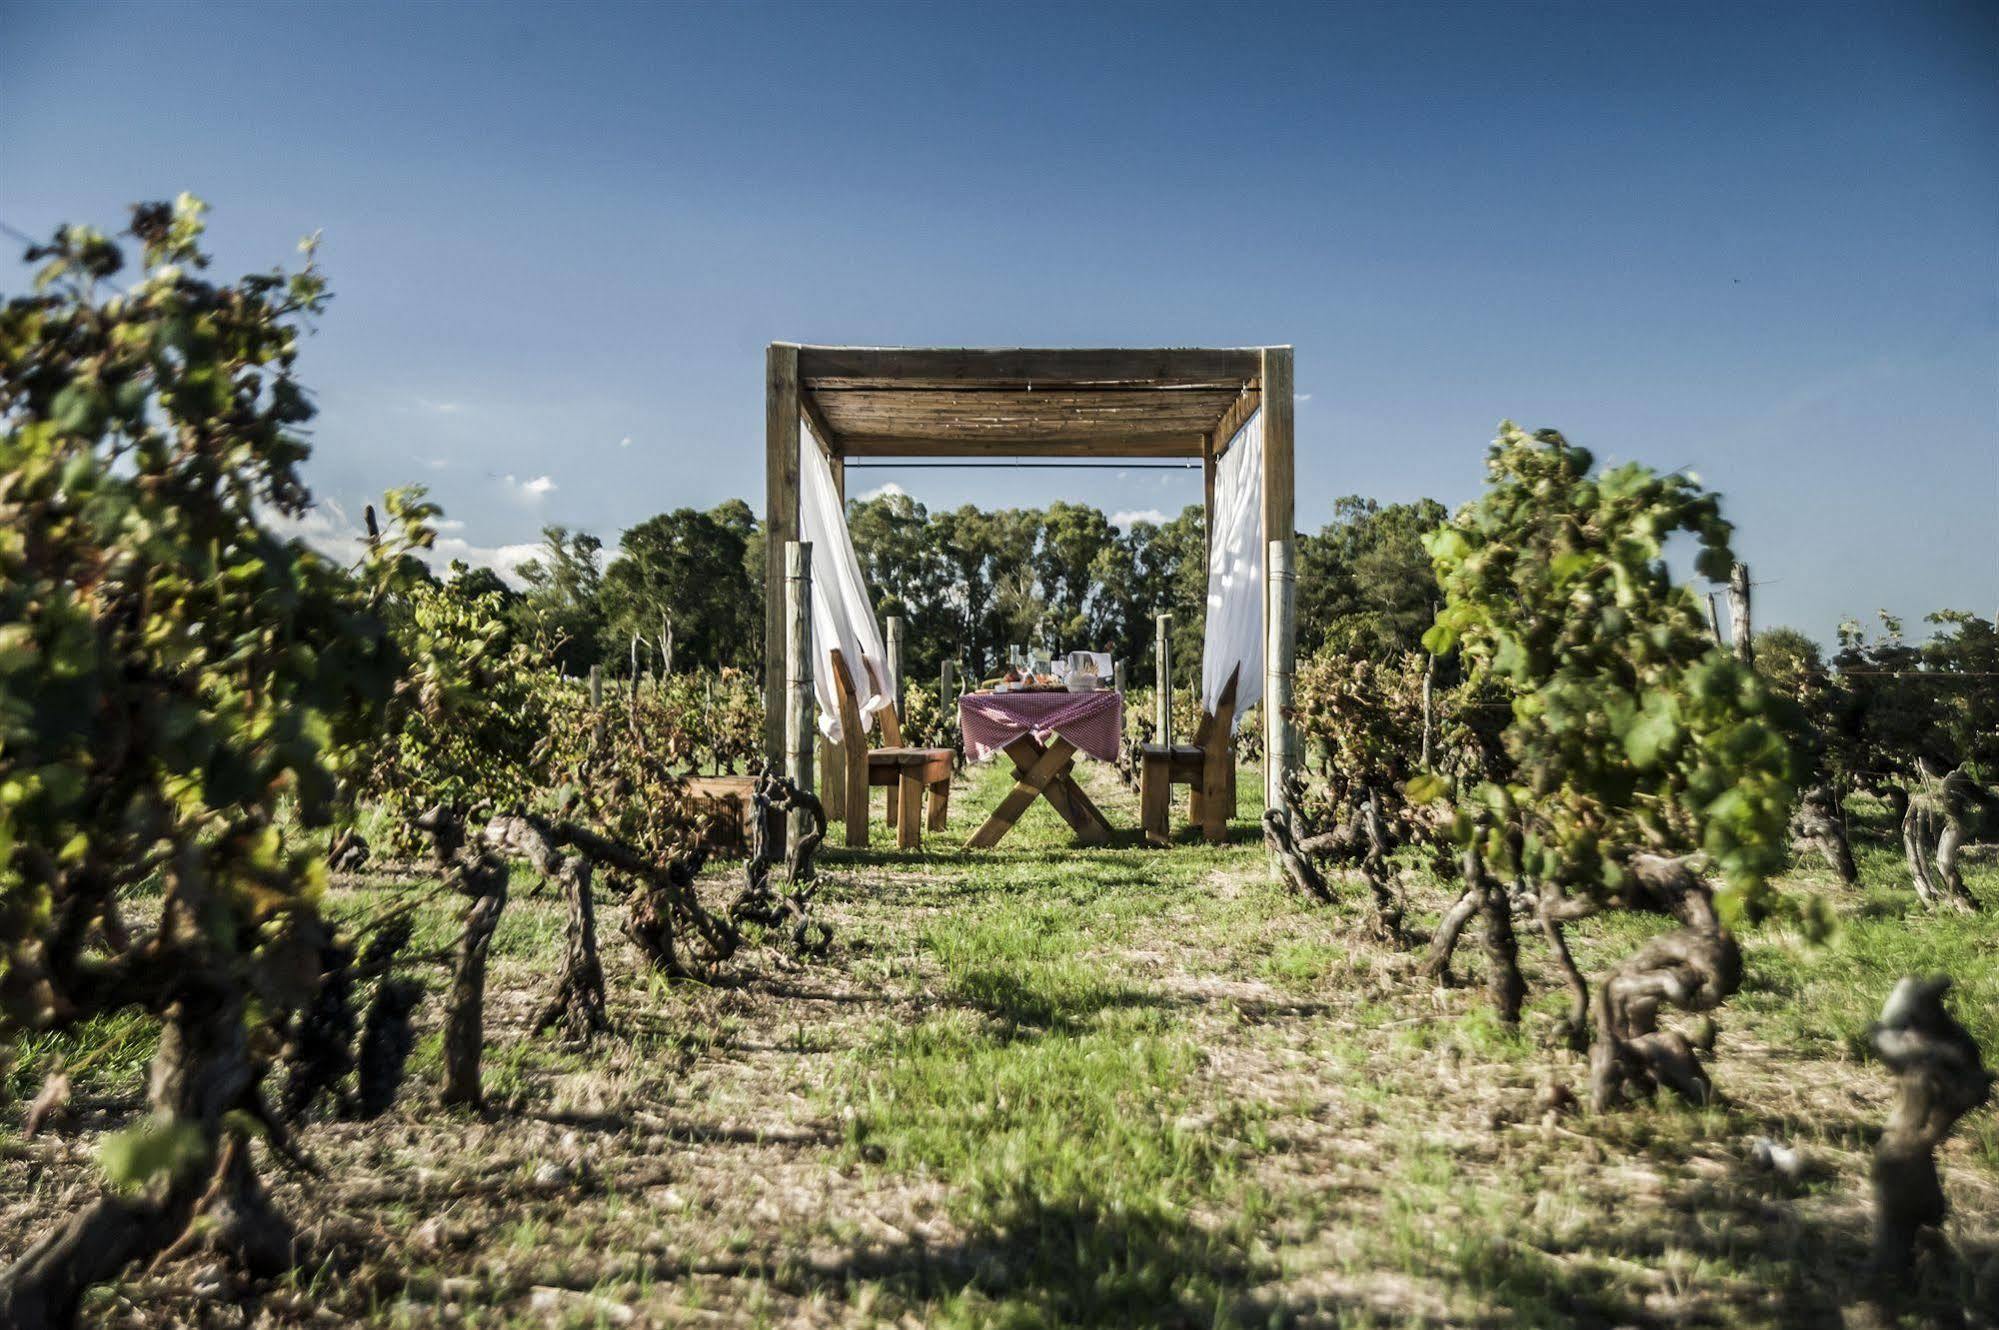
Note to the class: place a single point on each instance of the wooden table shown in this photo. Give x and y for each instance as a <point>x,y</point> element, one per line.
<point>1044,770</point>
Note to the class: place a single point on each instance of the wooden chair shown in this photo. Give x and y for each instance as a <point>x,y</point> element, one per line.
<point>906,772</point>
<point>1206,766</point>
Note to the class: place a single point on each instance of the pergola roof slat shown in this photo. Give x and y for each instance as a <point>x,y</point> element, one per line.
<point>912,402</point>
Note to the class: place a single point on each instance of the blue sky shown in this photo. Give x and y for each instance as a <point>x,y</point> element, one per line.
<point>1758,240</point>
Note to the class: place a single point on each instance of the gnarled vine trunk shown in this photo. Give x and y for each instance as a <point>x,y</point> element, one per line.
<point>481,876</point>
<point>1935,826</point>
<point>201,1072</point>
<point>1820,822</point>
<point>1939,1077</point>
<point>1695,968</point>
<point>579,1003</point>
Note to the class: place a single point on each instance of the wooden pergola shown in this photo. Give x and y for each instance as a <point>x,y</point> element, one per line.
<point>1000,404</point>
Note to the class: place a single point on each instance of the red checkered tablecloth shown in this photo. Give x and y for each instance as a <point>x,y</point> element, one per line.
<point>1094,722</point>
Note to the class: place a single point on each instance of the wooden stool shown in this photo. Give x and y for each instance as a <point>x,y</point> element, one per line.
<point>1206,766</point>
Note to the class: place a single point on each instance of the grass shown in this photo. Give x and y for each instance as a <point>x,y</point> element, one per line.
<point>1118,1086</point>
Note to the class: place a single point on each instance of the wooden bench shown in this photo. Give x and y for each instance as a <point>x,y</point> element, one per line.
<point>1206,766</point>
<point>905,772</point>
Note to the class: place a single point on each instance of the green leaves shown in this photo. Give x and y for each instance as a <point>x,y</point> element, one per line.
<point>159,1147</point>
<point>1628,730</point>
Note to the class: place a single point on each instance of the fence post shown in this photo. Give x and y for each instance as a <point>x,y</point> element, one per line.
<point>799,730</point>
<point>1162,679</point>
<point>596,687</point>
<point>892,627</point>
<point>1280,755</point>
<point>1739,631</point>
<point>1117,677</point>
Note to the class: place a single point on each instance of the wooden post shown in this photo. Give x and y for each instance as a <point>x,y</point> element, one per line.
<point>596,687</point>
<point>1739,631</point>
<point>832,756</point>
<point>799,729</point>
<point>1162,679</point>
<point>665,645</point>
<point>892,631</point>
<point>780,528</point>
<point>1279,523</point>
<point>1714,621</point>
<point>1117,677</point>
<point>1280,748</point>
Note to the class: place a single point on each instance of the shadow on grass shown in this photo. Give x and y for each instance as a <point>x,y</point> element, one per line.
<point>1035,1261</point>
<point>1803,1273</point>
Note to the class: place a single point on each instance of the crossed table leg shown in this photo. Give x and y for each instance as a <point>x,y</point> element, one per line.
<point>1046,773</point>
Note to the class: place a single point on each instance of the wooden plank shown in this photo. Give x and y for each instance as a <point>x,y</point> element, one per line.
<point>1034,766</point>
<point>780,525</point>
<point>908,822</point>
<point>1187,444</point>
<point>1155,801</point>
<point>1097,828</point>
<point>1026,364</point>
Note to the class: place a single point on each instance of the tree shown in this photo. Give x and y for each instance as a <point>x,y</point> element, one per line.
<point>1637,745</point>
<point>171,672</point>
<point>689,569</point>
<point>1365,586</point>
<point>562,605</point>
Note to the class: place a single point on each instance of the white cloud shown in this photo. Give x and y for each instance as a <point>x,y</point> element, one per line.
<point>441,408</point>
<point>625,442</point>
<point>505,560</point>
<point>530,491</point>
<point>886,490</point>
<point>1124,518</point>
<point>327,528</point>
<point>1302,397</point>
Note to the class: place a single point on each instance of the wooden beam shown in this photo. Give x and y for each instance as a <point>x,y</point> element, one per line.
<point>1026,365</point>
<point>1233,419</point>
<point>780,527</point>
<point>1146,445</point>
<point>1279,519</point>
<point>822,429</point>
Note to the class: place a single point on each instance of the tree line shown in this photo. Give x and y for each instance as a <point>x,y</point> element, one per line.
<point>683,590</point>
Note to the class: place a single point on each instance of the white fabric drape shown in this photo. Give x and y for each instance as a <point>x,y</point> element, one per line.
<point>1234,633</point>
<point>842,614</point>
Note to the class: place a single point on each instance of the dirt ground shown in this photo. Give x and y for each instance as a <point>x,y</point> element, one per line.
<point>1120,1087</point>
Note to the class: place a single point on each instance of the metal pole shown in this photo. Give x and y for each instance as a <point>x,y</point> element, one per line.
<point>1162,679</point>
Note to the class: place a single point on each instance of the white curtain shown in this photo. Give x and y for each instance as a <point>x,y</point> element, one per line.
<point>1234,635</point>
<point>842,614</point>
